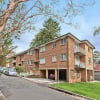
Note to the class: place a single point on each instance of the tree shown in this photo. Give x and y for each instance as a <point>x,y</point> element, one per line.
<point>49,32</point>
<point>19,69</point>
<point>14,12</point>
<point>6,48</point>
<point>97,31</point>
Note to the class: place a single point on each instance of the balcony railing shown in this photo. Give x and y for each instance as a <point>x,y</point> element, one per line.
<point>80,65</point>
<point>22,59</point>
<point>14,61</point>
<point>79,51</point>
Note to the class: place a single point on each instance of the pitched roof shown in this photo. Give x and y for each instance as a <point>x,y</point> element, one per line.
<point>72,36</point>
<point>97,68</point>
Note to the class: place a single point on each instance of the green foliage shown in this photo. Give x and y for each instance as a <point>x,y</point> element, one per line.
<point>97,31</point>
<point>49,32</point>
<point>6,49</point>
<point>19,69</point>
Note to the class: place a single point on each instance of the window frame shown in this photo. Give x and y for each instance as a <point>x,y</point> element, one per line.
<point>55,57</point>
<point>63,41</point>
<point>42,50</point>
<point>53,44</point>
<point>62,56</point>
<point>31,62</point>
<point>42,59</point>
<point>30,52</point>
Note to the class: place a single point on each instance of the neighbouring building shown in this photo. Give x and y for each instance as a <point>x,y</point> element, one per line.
<point>64,58</point>
<point>97,72</point>
<point>96,58</point>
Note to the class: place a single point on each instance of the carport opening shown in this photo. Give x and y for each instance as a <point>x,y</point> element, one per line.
<point>14,64</point>
<point>43,73</point>
<point>62,74</point>
<point>51,74</point>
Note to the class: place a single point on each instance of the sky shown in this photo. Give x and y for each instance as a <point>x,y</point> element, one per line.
<point>86,23</point>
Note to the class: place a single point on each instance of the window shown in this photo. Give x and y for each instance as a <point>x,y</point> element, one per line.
<point>42,49</point>
<point>31,62</point>
<point>76,46</point>
<point>53,44</point>
<point>54,58</point>
<point>72,74</point>
<point>28,62</point>
<point>63,56</point>
<point>78,74</point>
<point>89,49</point>
<point>89,60</point>
<point>63,41</point>
<point>42,61</point>
<point>30,52</point>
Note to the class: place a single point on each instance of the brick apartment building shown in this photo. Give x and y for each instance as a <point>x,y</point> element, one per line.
<point>66,57</point>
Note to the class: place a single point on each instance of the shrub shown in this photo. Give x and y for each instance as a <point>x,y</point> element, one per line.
<point>19,69</point>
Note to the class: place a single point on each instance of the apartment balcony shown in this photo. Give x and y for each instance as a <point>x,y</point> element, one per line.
<point>36,61</point>
<point>79,51</point>
<point>22,59</point>
<point>80,65</point>
<point>14,61</point>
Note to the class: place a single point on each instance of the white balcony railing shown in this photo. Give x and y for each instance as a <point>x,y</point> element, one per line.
<point>80,65</point>
<point>14,61</point>
<point>80,50</point>
<point>22,59</point>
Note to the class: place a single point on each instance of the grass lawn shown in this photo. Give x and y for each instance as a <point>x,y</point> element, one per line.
<point>91,90</point>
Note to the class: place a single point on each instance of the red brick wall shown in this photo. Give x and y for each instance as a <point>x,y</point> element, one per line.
<point>58,50</point>
<point>68,64</point>
<point>23,60</point>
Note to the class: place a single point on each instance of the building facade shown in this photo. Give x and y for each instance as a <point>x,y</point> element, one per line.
<point>64,58</point>
<point>97,72</point>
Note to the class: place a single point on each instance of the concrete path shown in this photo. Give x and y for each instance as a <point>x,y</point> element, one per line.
<point>15,88</point>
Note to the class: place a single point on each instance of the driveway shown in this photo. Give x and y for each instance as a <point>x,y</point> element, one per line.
<point>15,88</point>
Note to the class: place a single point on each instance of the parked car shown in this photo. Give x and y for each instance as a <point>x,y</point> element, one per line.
<point>11,72</point>
<point>5,69</point>
<point>52,76</point>
<point>1,69</point>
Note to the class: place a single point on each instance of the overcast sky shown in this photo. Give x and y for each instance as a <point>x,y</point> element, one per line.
<point>85,27</point>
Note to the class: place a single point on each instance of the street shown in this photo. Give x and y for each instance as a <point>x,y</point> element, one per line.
<point>15,88</point>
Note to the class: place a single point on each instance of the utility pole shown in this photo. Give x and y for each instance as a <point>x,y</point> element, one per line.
<point>58,73</point>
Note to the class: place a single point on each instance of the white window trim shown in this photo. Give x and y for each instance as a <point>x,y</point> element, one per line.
<point>42,50</point>
<point>61,56</point>
<point>53,44</point>
<point>31,63</point>
<point>54,58</point>
<point>63,41</point>
<point>43,61</point>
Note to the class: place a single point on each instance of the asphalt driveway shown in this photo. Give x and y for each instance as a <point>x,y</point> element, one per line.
<point>15,88</point>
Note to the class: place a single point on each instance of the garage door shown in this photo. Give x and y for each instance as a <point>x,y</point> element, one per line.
<point>97,75</point>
